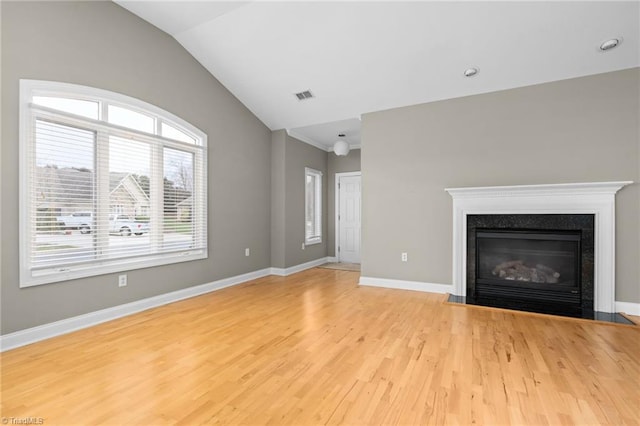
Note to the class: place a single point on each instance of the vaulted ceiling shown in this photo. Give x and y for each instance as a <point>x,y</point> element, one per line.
<point>358,57</point>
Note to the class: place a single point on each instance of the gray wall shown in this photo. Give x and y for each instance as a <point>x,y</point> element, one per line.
<point>337,164</point>
<point>278,198</point>
<point>299,155</point>
<point>579,130</point>
<point>289,157</point>
<point>99,44</point>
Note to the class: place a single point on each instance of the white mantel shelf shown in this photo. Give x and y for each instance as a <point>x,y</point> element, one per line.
<point>597,198</point>
<point>560,189</point>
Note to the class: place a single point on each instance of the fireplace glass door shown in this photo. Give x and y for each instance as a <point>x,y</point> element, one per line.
<point>539,265</point>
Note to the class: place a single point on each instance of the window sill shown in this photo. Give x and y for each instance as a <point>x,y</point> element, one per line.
<point>313,242</point>
<point>34,278</point>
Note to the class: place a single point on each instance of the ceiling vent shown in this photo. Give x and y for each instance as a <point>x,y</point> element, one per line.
<point>304,95</point>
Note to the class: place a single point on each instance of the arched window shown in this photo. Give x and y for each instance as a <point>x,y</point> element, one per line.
<point>108,183</point>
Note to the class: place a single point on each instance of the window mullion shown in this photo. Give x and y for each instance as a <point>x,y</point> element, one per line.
<point>198,208</point>
<point>104,112</point>
<point>156,190</point>
<point>318,195</point>
<point>101,214</point>
<point>28,194</point>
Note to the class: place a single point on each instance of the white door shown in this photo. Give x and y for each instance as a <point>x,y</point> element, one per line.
<point>348,219</point>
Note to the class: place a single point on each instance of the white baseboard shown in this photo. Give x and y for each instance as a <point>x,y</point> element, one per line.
<point>68,325</point>
<point>406,285</point>
<point>283,272</point>
<point>57,328</point>
<point>332,259</point>
<point>628,308</point>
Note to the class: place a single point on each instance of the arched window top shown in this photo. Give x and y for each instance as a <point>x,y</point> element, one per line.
<point>111,108</point>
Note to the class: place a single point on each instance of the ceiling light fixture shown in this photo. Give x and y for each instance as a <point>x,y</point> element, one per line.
<point>341,147</point>
<point>470,72</point>
<point>610,44</point>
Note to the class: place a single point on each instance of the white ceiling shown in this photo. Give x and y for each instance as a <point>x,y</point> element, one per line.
<point>359,57</point>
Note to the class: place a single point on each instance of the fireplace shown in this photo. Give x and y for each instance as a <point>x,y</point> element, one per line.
<point>557,203</point>
<point>539,262</point>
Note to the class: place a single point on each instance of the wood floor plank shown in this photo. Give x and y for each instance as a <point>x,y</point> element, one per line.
<point>315,348</point>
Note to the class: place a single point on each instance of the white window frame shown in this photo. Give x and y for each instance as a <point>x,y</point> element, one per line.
<point>28,112</point>
<point>316,239</point>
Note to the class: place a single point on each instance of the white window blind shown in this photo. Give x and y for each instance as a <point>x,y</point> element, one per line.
<point>108,183</point>
<point>313,206</point>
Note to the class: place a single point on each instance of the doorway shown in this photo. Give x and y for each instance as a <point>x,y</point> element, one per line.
<point>348,217</point>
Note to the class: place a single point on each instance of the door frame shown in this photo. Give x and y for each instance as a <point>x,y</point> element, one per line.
<point>336,205</point>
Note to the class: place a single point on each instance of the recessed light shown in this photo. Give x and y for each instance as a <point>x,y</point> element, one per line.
<point>610,44</point>
<point>470,72</point>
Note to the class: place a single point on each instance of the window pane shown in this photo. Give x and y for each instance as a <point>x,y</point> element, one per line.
<point>173,133</point>
<point>64,194</point>
<point>310,207</point>
<point>74,106</point>
<point>178,229</point>
<point>131,119</point>
<point>128,224</point>
<point>313,206</point>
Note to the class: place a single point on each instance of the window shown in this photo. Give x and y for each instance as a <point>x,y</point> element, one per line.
<point>108,183</point>
<point>313,206</point>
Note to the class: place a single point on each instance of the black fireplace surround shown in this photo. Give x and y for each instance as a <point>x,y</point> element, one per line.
<point>533,262</point>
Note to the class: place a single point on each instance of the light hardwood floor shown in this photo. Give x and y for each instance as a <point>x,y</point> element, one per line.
<point>314,348</point>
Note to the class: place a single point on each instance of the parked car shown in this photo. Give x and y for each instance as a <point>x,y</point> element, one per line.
<point>118,224</point>
<point>125,225</point>
<point>77,220</point>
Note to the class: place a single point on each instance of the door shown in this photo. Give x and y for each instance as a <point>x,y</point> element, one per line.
<point>348,228</point>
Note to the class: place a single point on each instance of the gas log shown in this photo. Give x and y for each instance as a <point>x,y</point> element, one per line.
<point>517,270</point>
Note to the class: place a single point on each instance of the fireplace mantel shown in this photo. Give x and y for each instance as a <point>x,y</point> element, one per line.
<point>597,198</point>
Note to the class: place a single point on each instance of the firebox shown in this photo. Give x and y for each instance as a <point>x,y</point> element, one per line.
<point>541,263</point>
<point>534,265</point>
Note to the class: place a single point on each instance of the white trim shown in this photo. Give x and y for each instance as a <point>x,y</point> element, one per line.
<point>306,140</point>
<point>590,188</point>
<point>283,272</point>
<point>123,264</point>
<point>336,207</point>
<point>318,145</point>
<point>68,325</point>
<point>29,88</point>
<point>596,198</point>
<point>628,308</point>
<point>318,202</point>
<point>405,285</point>
<point>332,259</point>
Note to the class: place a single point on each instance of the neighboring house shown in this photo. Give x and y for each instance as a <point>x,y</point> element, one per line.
<point>184,209</point>
<point>126,196</point>
<point>62,191</point>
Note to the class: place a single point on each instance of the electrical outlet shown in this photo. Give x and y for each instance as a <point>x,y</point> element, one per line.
<point>404,257</point>
<point>247,252</point>
<point>122,280</point>
<point>302,246</point>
